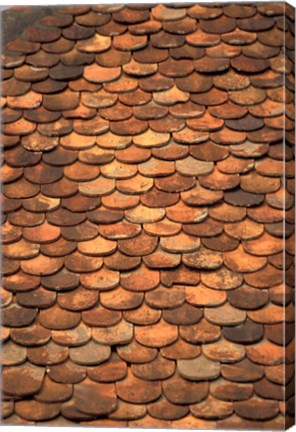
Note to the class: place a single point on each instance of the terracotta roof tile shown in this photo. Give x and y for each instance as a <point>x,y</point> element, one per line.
<point>228,391</point>
<point>143,216</point>
<point>109,371</point>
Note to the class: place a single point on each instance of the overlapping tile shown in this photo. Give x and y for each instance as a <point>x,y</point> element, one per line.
<point>148,216</point>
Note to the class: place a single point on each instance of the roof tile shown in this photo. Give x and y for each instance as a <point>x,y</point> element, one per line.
<point>156,335</point>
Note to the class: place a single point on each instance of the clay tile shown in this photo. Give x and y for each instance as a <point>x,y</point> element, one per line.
<point>140,245</point>
<point>72,337</point>
<point>222,279</point>
<point>231,81</point>
<point>36,298</point>
<point>136,353</point>
<point>228,111</point>
<point>194,83</point>
<point>221,243</point>
<point>42,265</point>
<point>188,136</point>
<point>180,350</point>
<point>162,228</point>
<point>156,335</point>
<point>156,198</point>
<point>21,217</point>
<point>263,184</point>
<point>22,249</point>
<point>22,380</point>
<point>121,299</point>
<point>120,230</point>
<point>239,11</point>
<point>209,65</point>
<point>139,69</point>
<point>98,74</point>
<point>118,170</point>
<point>19,127</point>
<point>13,87</point>
<point>188,392</point>
<point>198,369</point>
<point>163,13</point>
<point>90,354</point>
<point>112,370</point>
<point>183,315</point>
<point>280,295</point>
<point>65,100</point>
<point>265,410</point>
<point>243,371</point>
<point>163,39</point>
<point>212,408</point>
<point>267,79</point>
<point>131,126</point>
<point>264,245</point>
<point>219,181</point>
<point>130,16</point>
<point>185,214</point>
<point>143,315</point>
<point>183,26</point>
<point>10,233</point>
<point>121,333</point>
<point>129,42</point>
<point>276,374</point>
<point>209,151</point>
<point>142,279</point>
<point>143,214</point>
<point>97,247</point>
<point>229,391</point>
<point>233,165</point>
<point>201,39</point>
<point>192,167</point>
<point>157,369</point>
<point>246,124</point>
<point>119,201</point>
<point>204,12</point>
<point>223,351</point>
<point>273,37</point>
<point>104,392</point>
<point>145,391</point>
<point>241,198</point>
<point>99,316</point>
<point>156,83</point>
<point>117,112</point>
<point>163,297</point>
<point>203,296</point>
<point>10,266</point>
<point>13,354</point>
<point>218,25</point>
<point>262,278</point>
<point>51,353</point>
<point>203,259</point>
<point>163,409</point>
<point>30,100</point>
<point>180,243</point>
<point>54,392</point>
<point>225,315</point>
<point>248,149</point>
<point>227,213</point>
<point>249,96</point>
<point>95,44</point>
<point>126,411</point>
<point>42,234</point>
<point>241,261</point>
<point>266,353</point>
<point>239,37</point>
<point>227,136</point>
<point>270,314</point>
<point>247,64</point>
<point>10,115</point>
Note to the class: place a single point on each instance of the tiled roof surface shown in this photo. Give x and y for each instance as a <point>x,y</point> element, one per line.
<point>147,192</point>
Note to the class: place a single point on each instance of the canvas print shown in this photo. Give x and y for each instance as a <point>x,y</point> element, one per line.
<point>148,215</point>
